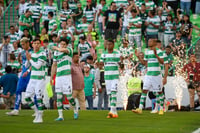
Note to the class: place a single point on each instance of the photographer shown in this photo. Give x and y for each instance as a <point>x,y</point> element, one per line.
<point>193,79</point>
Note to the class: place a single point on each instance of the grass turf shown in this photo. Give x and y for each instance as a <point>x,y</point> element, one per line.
<point>96,122</point>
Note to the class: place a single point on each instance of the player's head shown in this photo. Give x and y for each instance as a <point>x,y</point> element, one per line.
<point>110,45</point>
<point>133,12</point>
<point>8,69</point>
<point>168,50</point>
<point>192,58</point>
<point>12,29</point>
<point>113,6</point>
<point>25,43</point>
<point>75,57</point>
<point>12,56</point>
<point>36,45</point>
<point>45,42</point>
<point>159,44</point>
<point>63,43</point>
<point>50,15</point>
<point>86,68</point>
<point>152,42</point>
<point>125,42</point>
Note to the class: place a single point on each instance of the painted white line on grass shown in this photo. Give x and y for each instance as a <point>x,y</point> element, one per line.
<point>197,131</point>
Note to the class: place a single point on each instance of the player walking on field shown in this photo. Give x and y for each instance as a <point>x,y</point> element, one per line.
<point>24,78</point>
<point>36,85</point>
<point>62,68</point>
<point>111,61</point>
<point>153,79</point>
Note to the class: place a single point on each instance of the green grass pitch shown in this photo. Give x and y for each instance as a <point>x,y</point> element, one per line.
<point>96,122</point>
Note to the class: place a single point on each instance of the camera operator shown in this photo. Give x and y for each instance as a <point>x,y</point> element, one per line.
<point>193,79</point>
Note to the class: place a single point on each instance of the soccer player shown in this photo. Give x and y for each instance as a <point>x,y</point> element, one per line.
<point>36,85</point>
<point>24,78</point>
<point>153,79</point>
<point>62,68</point>
<point>164,71</point>
<point>111,61</point>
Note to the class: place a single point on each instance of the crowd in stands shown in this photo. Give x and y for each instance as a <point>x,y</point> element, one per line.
<point>85,27</point>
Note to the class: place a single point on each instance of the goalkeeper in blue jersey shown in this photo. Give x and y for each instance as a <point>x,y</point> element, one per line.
<point>24,78</point>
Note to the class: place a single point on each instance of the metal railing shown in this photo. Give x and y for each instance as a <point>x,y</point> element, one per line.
<point>8,19</point>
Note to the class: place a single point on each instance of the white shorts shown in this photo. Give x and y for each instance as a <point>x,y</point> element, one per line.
<point>35,87</point>
<point>153,83</point>
<point>111,85</point>
<point>64,84</point>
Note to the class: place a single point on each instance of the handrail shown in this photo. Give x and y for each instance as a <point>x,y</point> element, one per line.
<point>7,10</point>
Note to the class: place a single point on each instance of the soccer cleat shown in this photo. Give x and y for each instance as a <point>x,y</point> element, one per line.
<point>59,119</point>
<point>13,113</point>
<point>137,111</point>
<point>76,115</point>
<point>39,118</point>
<point>112,115</point>
<point>161,112</point>
<point>154,111</point>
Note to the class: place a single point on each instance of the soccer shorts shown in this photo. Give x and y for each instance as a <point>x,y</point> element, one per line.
<point>64,84</point>
<point>35,87</point>
<point>153,83</point>
<point>111,85</point>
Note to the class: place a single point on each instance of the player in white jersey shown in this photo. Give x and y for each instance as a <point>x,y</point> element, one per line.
<point>164,71</point>
<point>36,85</point>
<point>153,79</point>
<point>62,68</point>
<point>111,61</point>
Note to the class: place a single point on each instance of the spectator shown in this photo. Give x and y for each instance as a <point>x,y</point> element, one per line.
<point>178,45</point>
<point>165,9</point>
<point>177,24</point>
<point>135,24</point>
<point>186,30</point>
<point>9,84</point>
<point>161,26</point>
<point>169,29</point>
<point>150,5</point>
<point>44,35</point>
<point>36,9</point>
<point>52,26</point>
<point>170,60</point>
<point>78,81</point>
<point>49,56</point>
<point>15,65</point>
<point>126,51</point>
<point>193,79</point>
<point>83,26</point>
<point>90,12</point>
<point>112,22</point>
<point>152,24</point>
<point>78,13</point>
<point>101,8</point>
<point>143,15</point>
<point>13,35</point>
<point>48,8</point>
<point>21,7</point>
<point>185,6</point>
<point>17,49</point>
<point>65,12</point>
<point>84,49</point>
<point>27,34</point>
<point>25,22</point>
<point>89,82</point>
<point>6,48</point>
<point>100,84</point>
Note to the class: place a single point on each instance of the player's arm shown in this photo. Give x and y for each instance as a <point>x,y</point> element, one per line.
<point>53,71</point>
<point>64,50</point>
<point>160,60</point>
<point>143,62</point>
